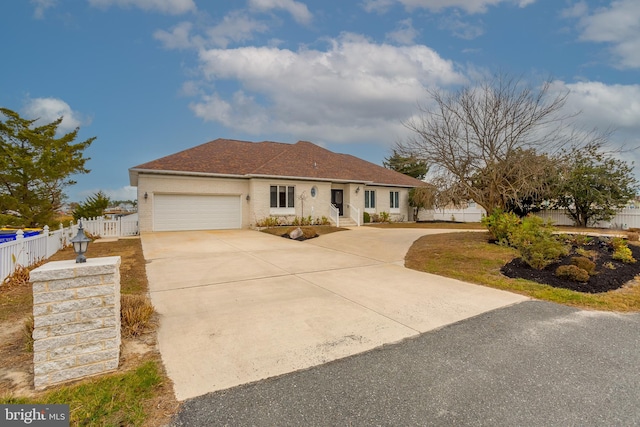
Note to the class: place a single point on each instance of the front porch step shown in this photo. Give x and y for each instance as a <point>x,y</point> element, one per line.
<point>347,222</point>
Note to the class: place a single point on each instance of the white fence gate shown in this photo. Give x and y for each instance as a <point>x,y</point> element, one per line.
<point>122,227</point>
<point>27,251</point>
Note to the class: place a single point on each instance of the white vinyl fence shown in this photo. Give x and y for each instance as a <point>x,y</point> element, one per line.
<point>122,227</point>
<point>624,219</point>
<point>27,251</point>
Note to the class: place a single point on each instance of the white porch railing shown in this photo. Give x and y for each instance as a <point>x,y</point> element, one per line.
<point>354,213</point>
<point>334,214</point>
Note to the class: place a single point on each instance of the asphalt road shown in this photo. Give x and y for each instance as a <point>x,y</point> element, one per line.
<point>530,364</point>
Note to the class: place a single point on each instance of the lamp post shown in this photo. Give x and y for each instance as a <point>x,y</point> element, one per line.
<point>80,244</point>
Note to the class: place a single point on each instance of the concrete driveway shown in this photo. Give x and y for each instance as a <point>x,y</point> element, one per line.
<point>240,306</point>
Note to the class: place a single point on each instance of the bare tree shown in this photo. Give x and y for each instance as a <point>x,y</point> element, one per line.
<point>493,142</point>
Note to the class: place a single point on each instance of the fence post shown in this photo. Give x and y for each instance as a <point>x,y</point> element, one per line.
<point>20,258</point>
<point>45,233</point>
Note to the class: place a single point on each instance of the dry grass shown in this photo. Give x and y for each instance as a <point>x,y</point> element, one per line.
<point>153,409</point>
<point>470,257</point>
<point>137,314</point>
<point>432,225</point>
<point>307,230</point>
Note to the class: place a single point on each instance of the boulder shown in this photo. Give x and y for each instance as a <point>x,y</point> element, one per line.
<point>296,234</point>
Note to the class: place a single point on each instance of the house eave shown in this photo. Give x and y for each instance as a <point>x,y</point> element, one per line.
<point>134,172</point>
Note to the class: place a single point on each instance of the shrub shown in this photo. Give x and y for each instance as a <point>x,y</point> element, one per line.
<point>269,221</point>
<point>500,225</point>
<point>577,239</point>
<point>536,243</point>
<point>592,255</point>
<point>573,273</point>
<point>366,218</point>
<point>322,221</point>
<point>633,237</point>
<point>136,314</point>
<point>584,263</point>
<point>621,251</point>
<point>385,217</point>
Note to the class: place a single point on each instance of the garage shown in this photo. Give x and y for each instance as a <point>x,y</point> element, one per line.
<point>180,212</point>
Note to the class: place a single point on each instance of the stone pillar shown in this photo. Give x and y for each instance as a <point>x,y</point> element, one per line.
<point>76,313</point>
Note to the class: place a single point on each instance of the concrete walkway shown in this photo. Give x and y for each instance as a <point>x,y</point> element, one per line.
<point>240,306</point>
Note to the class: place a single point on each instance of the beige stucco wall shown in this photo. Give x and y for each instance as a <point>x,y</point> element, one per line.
<point>383,202</point>
<point>257,208</point>
<point>173,184</point>
<point>305,204</point>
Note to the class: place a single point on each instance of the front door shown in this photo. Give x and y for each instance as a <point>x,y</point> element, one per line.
<point>336,200</point>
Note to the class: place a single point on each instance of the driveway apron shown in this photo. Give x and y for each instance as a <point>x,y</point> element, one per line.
<point>239,306</point>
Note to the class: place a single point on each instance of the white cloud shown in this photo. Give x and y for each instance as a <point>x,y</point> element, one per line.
<point>178,38</point>
<point>379,6</point>
<point>48,110</point>
<point>298,10</point>
<point>404,34</point>
<point>171,7</point>
<point>460,28</point>
<point>617,25</point>
<point>355,90</point>
<point>41,6</point>
<point>468,6</point>
<point>236,27</point>
<point>607,107</point>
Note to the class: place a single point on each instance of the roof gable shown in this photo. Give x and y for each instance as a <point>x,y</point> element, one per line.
<point>300,160</point>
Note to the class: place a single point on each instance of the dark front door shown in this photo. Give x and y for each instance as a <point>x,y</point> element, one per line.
<point>336,200</point>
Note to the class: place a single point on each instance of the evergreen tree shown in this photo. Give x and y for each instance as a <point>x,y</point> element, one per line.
<point>35,166</point>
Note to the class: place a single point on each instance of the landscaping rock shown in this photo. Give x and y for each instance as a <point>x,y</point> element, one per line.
<point>296,234</point>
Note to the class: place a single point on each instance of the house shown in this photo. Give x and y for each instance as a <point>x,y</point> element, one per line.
<point>227,184</point>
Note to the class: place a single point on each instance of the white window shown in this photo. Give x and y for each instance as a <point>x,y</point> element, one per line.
<point>394,199</point>
<point>369,199</point>
<point>282,196</point>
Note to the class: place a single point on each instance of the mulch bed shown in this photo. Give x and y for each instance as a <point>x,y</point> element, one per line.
<point>606,279</point>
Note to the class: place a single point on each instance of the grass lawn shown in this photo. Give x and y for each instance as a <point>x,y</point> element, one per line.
<point>470,257</point>
<point>138,394</point>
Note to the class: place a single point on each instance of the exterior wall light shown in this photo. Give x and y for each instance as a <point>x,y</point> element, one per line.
<point>146,196</point>
<point>80,244</point>
<point>358,190</point>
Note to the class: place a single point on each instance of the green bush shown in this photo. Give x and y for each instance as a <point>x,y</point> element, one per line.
<point>572,272</point>
<point>500,225</point>
<point>536,243</point>
<point>621,251</point>
<point>584,263</point>
<point>385,217</point>
<point>366,218</point>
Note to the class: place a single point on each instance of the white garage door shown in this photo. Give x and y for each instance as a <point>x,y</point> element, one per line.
<point>173,212</point>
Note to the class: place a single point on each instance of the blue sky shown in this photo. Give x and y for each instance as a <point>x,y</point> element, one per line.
<point>152,77</point>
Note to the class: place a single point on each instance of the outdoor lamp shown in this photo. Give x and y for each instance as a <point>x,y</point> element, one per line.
<point>80,244</point>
